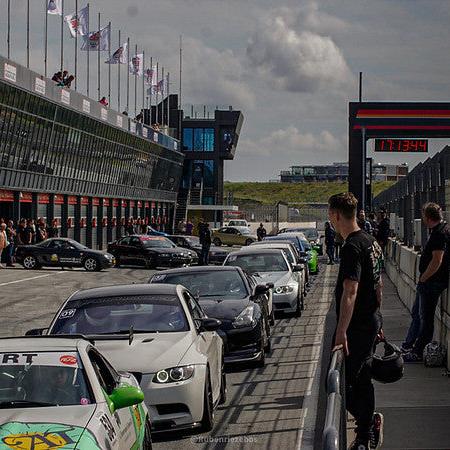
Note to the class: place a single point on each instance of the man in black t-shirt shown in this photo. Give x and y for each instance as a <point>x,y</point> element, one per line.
<point>358,299</point>
<point>434,269</point>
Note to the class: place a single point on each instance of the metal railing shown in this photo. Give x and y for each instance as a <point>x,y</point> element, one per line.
<point>334,435</point>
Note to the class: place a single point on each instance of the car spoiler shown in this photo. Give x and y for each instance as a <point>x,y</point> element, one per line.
<point>86,337</point>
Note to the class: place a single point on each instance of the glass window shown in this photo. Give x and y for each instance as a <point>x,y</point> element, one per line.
<point>188,136</point>
<point>259,262</point>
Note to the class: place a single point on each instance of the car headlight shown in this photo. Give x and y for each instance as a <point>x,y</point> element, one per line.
<point>164,255</point>
<point>245,318</point>
<point>284,289</point>
<point>174,374</point>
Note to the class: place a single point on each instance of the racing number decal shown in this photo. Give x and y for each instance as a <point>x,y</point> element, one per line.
<point>110,431</point>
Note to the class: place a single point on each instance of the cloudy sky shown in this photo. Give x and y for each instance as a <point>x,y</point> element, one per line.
<point>290,65</point>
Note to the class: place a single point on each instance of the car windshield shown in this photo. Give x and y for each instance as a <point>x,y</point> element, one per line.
<point>243,230</point>
<point>116,315</point>
<point>310,233</point>
<point>283,237</point>
<point>306,246</point>
<point>228,284</point>
<point>193,240</point>
<point>286,251</point>
<point>259,262</point>
<point>157,243</point>
<point>42,379</point>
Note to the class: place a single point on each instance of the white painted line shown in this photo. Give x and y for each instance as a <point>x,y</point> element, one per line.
<point>32,278</point>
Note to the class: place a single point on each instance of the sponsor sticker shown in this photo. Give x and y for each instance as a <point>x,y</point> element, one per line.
<point>10,72</point>
<point>39,86</point>
<point>158,277</point>
<point>54,359</point>
<point>68,360</point>
<point>67,313</point>
<point>232,258</point>
<point>54,257</point>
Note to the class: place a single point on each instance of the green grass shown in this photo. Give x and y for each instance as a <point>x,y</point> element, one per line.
<point>270,193</point>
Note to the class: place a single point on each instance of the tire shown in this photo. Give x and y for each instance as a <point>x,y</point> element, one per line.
<point>272,318</point>
<point>223,386</point>
<point>207,422</point>
<point>147,444</point>
<point>30,263</point>
<point>298,310</point>
<point>268,346</point>
<point>91,265</point>
<point>262,361</point>
<point>217,241</point>
<point>248,242</point>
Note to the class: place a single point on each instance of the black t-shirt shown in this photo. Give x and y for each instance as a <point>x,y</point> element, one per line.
<point>439,240</point>
<point>383,230</point>
<point>361,260</point>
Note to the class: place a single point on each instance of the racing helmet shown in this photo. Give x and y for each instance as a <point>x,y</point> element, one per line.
<point>434,354</point>
<point>387,368</point>
<point>95,315</point>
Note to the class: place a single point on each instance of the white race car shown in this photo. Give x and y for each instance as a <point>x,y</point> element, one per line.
<point>160,333</point>
<point>62,393</point>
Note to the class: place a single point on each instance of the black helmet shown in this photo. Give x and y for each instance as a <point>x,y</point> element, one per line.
<point>387,368</point>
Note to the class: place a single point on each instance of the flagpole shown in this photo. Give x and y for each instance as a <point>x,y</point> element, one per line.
<point>76,42</point>
<point>98,59</point>
<point>45,38</point>
<point>162,97</point>
<point>157,92</point>
<point>135,81</point>
<point>168,101</point>
<point>118,76</point>
<point>28,34</point>
<point>62,35</point>
<point>8,39</point>
<point>109,65</point>
<point>181,71</point>
<point>128,75</point>
<point>151,90</point>
<point>143,84</point>
<point>88,50</point>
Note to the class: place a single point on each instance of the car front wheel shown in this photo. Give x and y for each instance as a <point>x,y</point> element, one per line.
<point>207,422</point>
<point>30,262</point>
<point>91,265</point>
<point>217,242</point>
<point>147,444</point>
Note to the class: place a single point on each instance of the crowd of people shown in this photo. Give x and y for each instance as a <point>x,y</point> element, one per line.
<point>63,79</point>
<point>24,232</point>
<point>376,225</point>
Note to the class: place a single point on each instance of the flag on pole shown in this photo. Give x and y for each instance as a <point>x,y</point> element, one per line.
<point>97,40</point>
<point>78,23</point>
<point>136,65</point>
<point>150,76</point>
<point>55,7</point>
<point>120,56</point>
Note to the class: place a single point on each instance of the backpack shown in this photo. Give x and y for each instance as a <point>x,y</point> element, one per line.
<point>434,355</point>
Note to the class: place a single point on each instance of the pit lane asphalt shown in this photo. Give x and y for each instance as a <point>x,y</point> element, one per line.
<point>272,407</point>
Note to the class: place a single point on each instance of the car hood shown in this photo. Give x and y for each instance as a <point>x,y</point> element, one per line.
<point>170,251</point>
<point>277,278</point>
<point>220,308</point>
<point>94,252</point>
<point>70,421</point>
<point>148,352</point>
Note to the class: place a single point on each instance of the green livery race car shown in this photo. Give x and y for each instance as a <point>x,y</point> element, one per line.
<point>62,393</point>
<point>312,257</point>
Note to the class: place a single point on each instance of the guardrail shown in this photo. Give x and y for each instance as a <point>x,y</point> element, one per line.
<point>334,435</point>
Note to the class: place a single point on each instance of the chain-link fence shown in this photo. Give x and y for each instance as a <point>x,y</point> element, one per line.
<point>427,182</point>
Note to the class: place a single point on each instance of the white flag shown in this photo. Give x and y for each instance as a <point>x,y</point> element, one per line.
<point>120,56</point>
<point>78,24</point>
<point>54,7</point>
<point>137,65</point>
<point>97,40</point>
<point>150,76</point>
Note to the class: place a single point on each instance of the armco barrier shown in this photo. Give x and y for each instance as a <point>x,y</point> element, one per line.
<point>334,435</point>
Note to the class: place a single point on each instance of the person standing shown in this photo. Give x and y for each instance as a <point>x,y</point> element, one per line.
<point>434,266</point>
<point>12,238</point>
<point>3,242</point>
<point>261,232</point>
<point>338,241</point>
<point>206,244</point>
<point>330,235</point>
<point>53,231</point>
<point>363,223</point>
<point>189,228</point>
<point>358,299</point>
<point>383,230</point>
<point>29,233</point>
<point>41,232</point>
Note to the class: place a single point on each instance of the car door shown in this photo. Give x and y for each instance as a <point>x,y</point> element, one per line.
<point>233,236</point>
<point>136,251</point>
<point>49,255</point>
<point>69,254</point>
<point>209,342</point>
<point>119,428</point>
<point>122,249</point>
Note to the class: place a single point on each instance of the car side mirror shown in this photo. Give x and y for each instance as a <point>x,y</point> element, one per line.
<point>260,289</point>
<point>297,268</point>
<point>36,332</point>
<point>209,324</point>
<point>124,397</point>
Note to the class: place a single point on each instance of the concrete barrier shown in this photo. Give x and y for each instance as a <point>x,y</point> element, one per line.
<point>402,267</point>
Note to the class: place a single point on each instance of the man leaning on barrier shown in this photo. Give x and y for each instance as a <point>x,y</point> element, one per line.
<point>358,299</point>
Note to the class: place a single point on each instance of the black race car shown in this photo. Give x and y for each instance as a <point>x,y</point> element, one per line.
<point>233,297</point>
<point>150,251</point>
<point>62,252</point>
<point>217,255</point>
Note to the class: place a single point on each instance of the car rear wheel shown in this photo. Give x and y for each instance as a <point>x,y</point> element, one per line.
<point>30,262</point>
<point>207,422</point>
<point>91,265</point>
<point>217,241</point>
<point>298,310</point>
<point>223,386</point>
<point>147,444</point>
<point>248,242</point>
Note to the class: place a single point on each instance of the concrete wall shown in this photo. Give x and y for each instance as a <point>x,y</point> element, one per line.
<point>402,267</point>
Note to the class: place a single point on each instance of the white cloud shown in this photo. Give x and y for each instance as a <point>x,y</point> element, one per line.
<point>295,58</point>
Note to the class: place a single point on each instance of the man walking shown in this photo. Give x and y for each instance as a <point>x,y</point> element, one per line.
<point>261,232</point>
<point>434,269</point>
<point>330,235</point>
<point>205,240</point>
<point>383,229</point>
<point>358,299</point>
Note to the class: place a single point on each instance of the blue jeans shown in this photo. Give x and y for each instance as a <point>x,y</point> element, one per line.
<point>429,298</point>
<point>204,256</point>
<point>9,254</point>
<point>414,328</point>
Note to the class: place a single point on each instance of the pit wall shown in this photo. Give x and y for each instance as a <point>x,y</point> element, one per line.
<point>402,267</point>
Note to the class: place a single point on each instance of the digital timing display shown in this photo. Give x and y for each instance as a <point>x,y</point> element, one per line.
<point>401,145</point>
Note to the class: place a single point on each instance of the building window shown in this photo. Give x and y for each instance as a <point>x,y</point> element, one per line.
<point>188,139</point>
<point>198,139</point>
<point>203,172</point>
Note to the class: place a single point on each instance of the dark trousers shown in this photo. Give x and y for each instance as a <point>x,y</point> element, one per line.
<point>204,256</point>
<point>9,254</point>
<point>429,297</point>
<point>330,252</point>
<point>359,391</point>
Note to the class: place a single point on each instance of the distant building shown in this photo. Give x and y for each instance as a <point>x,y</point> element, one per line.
<point>339,172</point>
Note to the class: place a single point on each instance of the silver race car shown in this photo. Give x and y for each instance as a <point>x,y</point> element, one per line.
<point>59,392</point>
<point>160,333</point>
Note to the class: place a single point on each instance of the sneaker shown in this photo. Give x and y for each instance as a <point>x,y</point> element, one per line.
<point>412,357</point>
<point>359,444</point>
<point>405,348</point>
<point>376,431</point>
